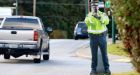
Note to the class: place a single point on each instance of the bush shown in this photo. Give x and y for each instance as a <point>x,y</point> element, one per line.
<point>127,16</point>
<point>59,34</point>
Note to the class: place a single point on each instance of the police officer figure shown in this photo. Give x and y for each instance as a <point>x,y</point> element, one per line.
<point>96,22</point>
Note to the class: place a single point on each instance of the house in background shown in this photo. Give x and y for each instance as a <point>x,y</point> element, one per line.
<point>5,11</point>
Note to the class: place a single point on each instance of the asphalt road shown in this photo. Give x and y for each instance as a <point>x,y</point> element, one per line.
<point>62,61</point>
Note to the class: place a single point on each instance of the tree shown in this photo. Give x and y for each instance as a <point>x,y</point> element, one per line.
<point>127,16</point>
<point>59,14</point>
<point>5,3</point>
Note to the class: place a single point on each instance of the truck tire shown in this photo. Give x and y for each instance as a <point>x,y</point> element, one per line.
<point>37,60</point>
<point>46,56</point>
<point>6,55</point>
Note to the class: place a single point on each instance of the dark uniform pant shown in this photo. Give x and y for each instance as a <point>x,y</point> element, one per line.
<point>99,40</point>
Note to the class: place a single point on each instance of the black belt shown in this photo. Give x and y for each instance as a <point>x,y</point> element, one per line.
<point>101,34</point>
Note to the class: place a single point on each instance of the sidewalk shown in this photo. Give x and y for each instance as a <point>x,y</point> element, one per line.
<point>85,53</point>
<point>116,62</point>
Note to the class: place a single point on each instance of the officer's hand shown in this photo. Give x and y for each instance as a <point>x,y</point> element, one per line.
<point>97,17</point>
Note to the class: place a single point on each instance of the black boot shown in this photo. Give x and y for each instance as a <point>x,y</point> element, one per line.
<point>107,72</point>
<point>93,72</point>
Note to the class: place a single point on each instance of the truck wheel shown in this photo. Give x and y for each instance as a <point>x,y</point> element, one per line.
<point>37,60</point>
<point>46,56</point>
<point>6,55</point>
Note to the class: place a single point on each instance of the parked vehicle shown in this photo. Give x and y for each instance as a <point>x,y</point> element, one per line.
<point>24,35</point>
<point>80,31</point>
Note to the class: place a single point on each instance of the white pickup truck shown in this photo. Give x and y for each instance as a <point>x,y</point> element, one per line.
<point>24,35</point>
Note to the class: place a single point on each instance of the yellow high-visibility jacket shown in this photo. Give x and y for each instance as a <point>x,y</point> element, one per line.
<point>97,26</point>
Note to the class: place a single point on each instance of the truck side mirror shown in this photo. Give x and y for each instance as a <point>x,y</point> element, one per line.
<point>49,30</point>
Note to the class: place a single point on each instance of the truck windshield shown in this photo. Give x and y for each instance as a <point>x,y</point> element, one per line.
<point>22,23</point>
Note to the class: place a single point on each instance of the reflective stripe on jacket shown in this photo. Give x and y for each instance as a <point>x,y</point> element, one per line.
<point>97,26</point>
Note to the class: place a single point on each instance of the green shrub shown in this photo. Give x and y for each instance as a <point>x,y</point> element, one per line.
<point>127,16</point>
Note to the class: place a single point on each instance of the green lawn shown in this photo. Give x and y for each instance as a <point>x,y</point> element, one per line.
<point>117,49</point>
<point>128,73</point>
<point>125,73</point>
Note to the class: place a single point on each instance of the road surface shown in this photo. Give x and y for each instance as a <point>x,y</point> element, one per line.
<point>62,61</point>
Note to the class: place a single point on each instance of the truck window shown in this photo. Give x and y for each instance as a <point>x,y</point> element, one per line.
<point>21,23</point>
<point>1,20</point>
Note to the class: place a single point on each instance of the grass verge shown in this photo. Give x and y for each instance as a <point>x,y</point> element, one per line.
<point>117,49</point>
<point>124,73</point>
<point>128,73</point>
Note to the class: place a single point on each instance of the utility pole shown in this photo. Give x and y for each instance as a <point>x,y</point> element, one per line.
<point>113,31</point>
<point>16,7</point>
<point>86,7</point>
<point>34,7</point>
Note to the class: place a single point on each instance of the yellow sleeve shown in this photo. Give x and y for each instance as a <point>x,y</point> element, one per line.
<point>87,21</point>
<point>105,19</point>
